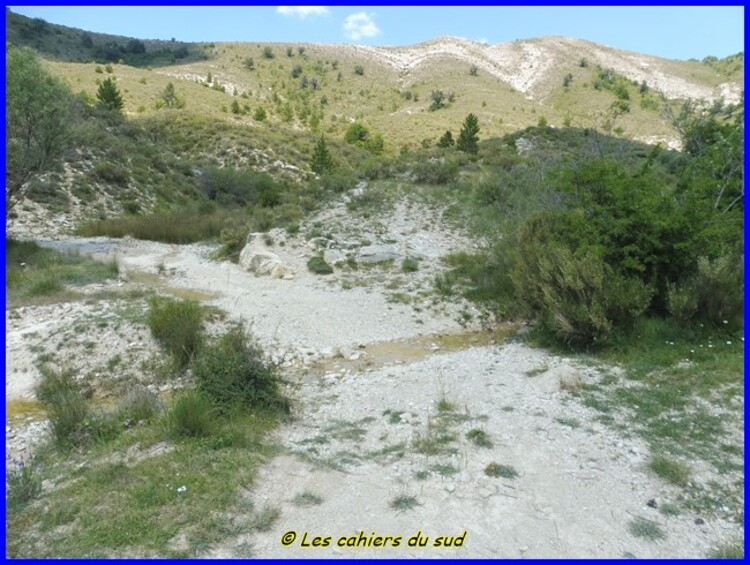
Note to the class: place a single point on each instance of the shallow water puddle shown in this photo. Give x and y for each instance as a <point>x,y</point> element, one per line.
<point>378,355</point>
<point>156,282</point>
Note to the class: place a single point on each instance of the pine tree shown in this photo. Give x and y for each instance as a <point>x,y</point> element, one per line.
<point>446,140</point>
<point>468,138</point>
<point>109,96</point>
<point>321,158</point>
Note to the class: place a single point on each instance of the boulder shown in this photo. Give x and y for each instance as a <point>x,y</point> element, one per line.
<point>378,254</point>
<point>256,258</point>
<point>334,256</point>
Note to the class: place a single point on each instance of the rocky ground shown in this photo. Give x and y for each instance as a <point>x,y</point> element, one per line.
<point>402,403</point>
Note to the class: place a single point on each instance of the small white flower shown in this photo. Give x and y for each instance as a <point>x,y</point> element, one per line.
<point>726,322</point>
<point>710,344</point>
<point>729,343</point>
<point>183,488</point>
<point>692,351</point>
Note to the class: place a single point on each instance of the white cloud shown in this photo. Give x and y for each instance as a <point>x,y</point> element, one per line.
<point>359,25</point>
<point>302,11</point>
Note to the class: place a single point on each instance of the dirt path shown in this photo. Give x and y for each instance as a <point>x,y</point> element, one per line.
<point>384,402</point>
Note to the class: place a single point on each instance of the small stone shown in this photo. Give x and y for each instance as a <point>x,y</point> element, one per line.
<point>699,522</point>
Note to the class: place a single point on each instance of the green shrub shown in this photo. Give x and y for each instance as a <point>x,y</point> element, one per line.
<point>578,298</point>
<point>233,371</point>
<point>112,172</point>
<point>177,326</point>
<point>498,470</point>
<point>435,171</point>
<point>319,266</point>
<point>192,415</point>
<point>233,240</point>
<point>23,483</point>
<point>719,284</point>
<point>682,301</point>
<point>239,186</point>
<point>339,181</point>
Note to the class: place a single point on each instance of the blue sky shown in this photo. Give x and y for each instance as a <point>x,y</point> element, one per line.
<point>675,32</point>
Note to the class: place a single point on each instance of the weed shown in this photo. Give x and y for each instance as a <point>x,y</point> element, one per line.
<point>421,475</point>
<point>266,517</point>
<point>497,470</point>
<point>570,422</point>
<point>669,509</point>
<point>403,502</point>
<point>479,438</point>
<point>444,469</point>
<point>536,372</point>
<point>306,499</point>
<point>671,470</point>
<point>642,528</point>
<point>445,405</point>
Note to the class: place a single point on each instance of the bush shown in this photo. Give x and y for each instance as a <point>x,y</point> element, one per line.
<point>720,290</point>
<point>319,266</point>
<point>239,186</point>
<point>112,172</point>
<point>578,298</point>
<point>339,180</point>
<point>435,171</point>
<point>233,371</point>
<point>177,326</point>
<point>192,415</point>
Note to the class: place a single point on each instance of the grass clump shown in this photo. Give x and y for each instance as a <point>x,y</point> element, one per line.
<point>319,266</point>
<point>23,484</point>
<point>307,499</point>
<point>497,470</point>
<point>139,405</point>
<point>671,470</point>
<point>479,438</point>
<point>192,415</point>
<point>642,528</point>
<point>409,265</point>
<point>403,502</point>
<point>65,403</point>
<point>177,326</point>
<point>232,371</point>
<point>266,517</point>
<point>733,550</point>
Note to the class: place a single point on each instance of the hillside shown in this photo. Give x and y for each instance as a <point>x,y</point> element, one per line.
<point>527,259</point>
<point>318,88</point>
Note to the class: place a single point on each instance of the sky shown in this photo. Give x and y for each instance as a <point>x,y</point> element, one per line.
<point>673,32</point>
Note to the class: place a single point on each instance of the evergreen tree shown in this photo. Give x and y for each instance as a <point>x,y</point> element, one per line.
<point>468,138</point>
<point>321,158</point>
<point>446,140</point>
<point>109,95</point>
